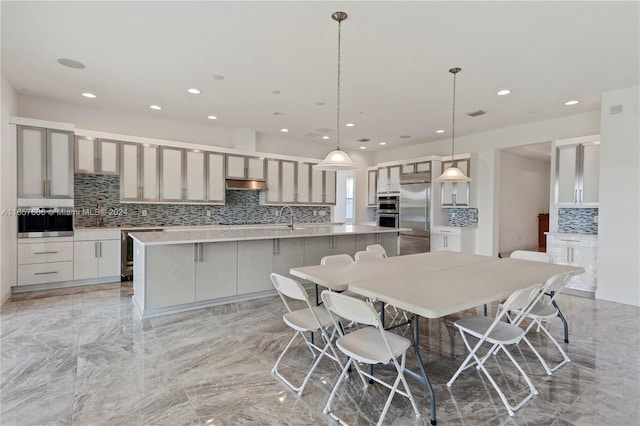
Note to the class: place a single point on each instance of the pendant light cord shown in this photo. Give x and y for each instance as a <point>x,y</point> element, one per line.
<point>338,89</point>
<point>453,126</point>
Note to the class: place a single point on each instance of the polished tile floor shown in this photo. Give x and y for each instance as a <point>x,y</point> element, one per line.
<point>81,356</point>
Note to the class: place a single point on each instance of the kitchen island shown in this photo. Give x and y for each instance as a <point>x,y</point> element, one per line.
<point>180,270</point>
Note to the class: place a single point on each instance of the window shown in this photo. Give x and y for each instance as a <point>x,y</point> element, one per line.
<point>348,216</point>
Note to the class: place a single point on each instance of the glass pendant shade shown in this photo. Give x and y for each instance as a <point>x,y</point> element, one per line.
<point>453,174</point>
<point>336,160</point>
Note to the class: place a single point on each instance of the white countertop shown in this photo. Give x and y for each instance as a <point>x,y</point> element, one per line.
<point>212,235</point>
<point>572,234</point>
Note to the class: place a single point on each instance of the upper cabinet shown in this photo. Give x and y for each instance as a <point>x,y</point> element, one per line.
<point>372,179</point>
<point>45,163</point>
<point>291,182</point>
<point>456,194</point>
<point>215,178</point>
<point>244,167</point>
<point>389,179</point>
<point>139,172</point>
<point>577,172</point>
<point>171,173</point>
<point>97,156</point>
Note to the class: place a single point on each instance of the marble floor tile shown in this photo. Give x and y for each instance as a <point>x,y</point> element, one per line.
<point>82,356</point>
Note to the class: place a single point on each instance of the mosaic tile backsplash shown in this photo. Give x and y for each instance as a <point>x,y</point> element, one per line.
<point>241,208</point>
<point>462,217</point>
<point>578,221</point>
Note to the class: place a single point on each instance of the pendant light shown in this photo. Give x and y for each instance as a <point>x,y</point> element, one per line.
<point>453,174</point>
<point>337,159</point>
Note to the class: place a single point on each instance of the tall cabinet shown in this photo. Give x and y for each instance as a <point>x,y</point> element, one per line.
<point>577,172</point>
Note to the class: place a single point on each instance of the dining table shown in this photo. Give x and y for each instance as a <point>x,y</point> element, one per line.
<point>433,285</point>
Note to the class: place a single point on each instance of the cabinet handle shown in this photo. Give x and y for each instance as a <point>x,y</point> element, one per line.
<point>95,249</point>
<point>575,196</point>
<point>44,188</point>
<point>568,258</point>
<point>195,252</point>
<point>45,252</point>
<point>573,241</point>
<point>454,199</point>
<point>200,252</point>
<point>581,196</point>
<point>46,273</point>
<point>571,254</point>
<point>445,231</point>
<point>100,248</point>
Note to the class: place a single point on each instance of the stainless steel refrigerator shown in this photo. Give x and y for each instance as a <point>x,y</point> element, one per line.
<point>415,196</point>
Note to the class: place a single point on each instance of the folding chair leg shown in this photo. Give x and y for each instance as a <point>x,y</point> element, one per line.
<point>327,407</point>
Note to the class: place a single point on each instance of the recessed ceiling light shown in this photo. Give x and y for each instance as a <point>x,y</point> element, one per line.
<point>212,117</point>
<point>89,95</point>
<point>193,91</point>
<point>363,147</point>
<point>383,143</point>
<point>439,131</point>
<point>325,137</point>
<point>218,77</point>
<point>275,92</point>
<point>572,102</point>
<point>350,124</point>
<point>284,130</point>
<point>503,92</point>
<point>155,107</point>
<point>71,63</point>
<point>405,137</point>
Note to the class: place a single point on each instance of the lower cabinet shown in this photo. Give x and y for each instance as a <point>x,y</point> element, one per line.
<point>45,260</point>
<point>452,238</point>
<point>170,275</point>
<point>96,254</point>
<point>216,272</point>
<point>576,250</point>
<point>254,265</point>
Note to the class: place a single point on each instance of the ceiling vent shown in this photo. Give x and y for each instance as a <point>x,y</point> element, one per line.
<point>476,113</point>
<point>364,140</point>
<point>324,130</point>
<point>312,135</point>
<point>616,109</point>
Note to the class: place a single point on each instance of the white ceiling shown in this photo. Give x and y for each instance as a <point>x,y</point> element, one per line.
<point>395,61</point>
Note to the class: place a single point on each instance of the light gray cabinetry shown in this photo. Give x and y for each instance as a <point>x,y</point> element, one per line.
<point>216,272</point>
<point>194,176</point>
<point>389,179</point>
<point>281,181</point>
<point>96,254</point>
<point>45,163</point>
<point>303,183</point>
<point>130,172</point>
<point>288,253</point>
<point>372,188</point>
<point>456,194</point>
<point>576,250</point>
<point>254,265</point>
<point>149,176</point>
<point>171,174</point>
<point>45,260</point>
<point>577,172</point>
<point>452,238</point>
<point>97,156</point>
<point>170,275</point>
<point>215,178</point>
<point>244,167</point>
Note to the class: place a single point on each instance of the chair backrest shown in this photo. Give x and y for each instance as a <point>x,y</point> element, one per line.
<point>368,255</point>
<point>556,283</point>
<point>336,258</point>
<point>378,248</point>
<point>534,256</point>
<point>522,301</point>
<point>350,308</point>
<point>289,287</point>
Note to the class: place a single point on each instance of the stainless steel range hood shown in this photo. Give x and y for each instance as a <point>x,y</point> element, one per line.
<point>247,185</point>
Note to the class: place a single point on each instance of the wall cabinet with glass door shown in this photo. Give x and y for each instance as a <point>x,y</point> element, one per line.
<point>97,156</point>
<point>419,167</point>
<point>389,179</point>
<point>291,182</point>
<point>372,188</point>
<point>577,172</point>
<point>139,167</point>
<point>456,194</point>
<point>215,178</point>
<point>245,168</point>
<point>45,163</point>
<point>281,181</point>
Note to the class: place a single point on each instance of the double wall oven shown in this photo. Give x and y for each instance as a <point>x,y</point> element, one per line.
<point>388,211</point>
<point>44,222</point>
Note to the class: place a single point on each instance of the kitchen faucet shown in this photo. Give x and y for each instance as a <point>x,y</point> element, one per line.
<point>98,218</point>
<point>290,225</point>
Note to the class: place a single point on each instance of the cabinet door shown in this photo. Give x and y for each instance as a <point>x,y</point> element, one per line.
<point>586,257</point>
<point>590,171</point>
<point>447,188</point>
<point>255,168</point>
<point>329,187</point>
<point>289,253</point>
<point>288,181</point>
<point>390,243</point>
<point>194,176</point>
<point>372,176</point>
<point>85,259</point>
<point>317,185</point>
<point>462,193</point>
<point>344,244</point>
<point>109,260</point>
<point>315,248</point>
<point>129,173</point>
<point>170,275</point>
<point>423,166</point>
<point>437,242</point>
<point>32,163</point>
<point>453,243</point>
<point>303,183</point>
<point>108,157</point>
<point>383,180</point>
<point>254,265</point>
<point>171,166</point>
<point>364,240</point>
<point>149,173</point>
<point>406,169</point>
<point>236,166</point>
<point>566,175</point>
<point>216,270</point>
<point>86,154</point>
<point>273,181</point>
<point>59,164</point>
<point>215,178</point>
<point>394,179</point>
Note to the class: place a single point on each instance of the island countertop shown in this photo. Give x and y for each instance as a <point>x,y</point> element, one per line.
<point>258,233</point>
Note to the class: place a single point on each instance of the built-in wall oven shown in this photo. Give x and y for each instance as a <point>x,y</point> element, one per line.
<point>388,211</point>
<point>126,251</point>
<point>44,222</point>
<point>388,220</point>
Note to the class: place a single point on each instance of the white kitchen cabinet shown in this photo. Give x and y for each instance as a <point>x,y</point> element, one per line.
<point>315,248</point>
<point>216,270</point>
<point>372,188</point>
<point>258,254</point>
<point>215,178</point>
<point>343,244</point>
<point>244,167</point>
<point>97,156</point>
<point>576,250</point>
<point>45,260</point>
<point>303,182</point>
<point>288,253</point>
<point>317,186</point>
<point>329,187</point>
<point>423,166</point>
<point>456,193</point>
<point>390,243</point>
<point>194,176</point>
<point>281,181</point>
<point>171,172</point>
<point>96,254</point>
<point>45,163</point>
<point>130,171</point>
<point>169,274</point>
<point>577,172</point>
<point>389,179</point>
<point>452,238</point>
<point>149,172</point>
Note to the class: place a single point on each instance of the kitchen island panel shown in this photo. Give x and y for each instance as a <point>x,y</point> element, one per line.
<point>216,270</point>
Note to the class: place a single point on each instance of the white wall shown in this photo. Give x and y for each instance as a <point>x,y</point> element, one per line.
<point>8,223</point>
<point>524,193</point>
<point>619,214</point>
<point>485,146</point>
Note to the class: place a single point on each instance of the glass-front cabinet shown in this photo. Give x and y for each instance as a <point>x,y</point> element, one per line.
<point>456,194</point>
<point>577,172</point>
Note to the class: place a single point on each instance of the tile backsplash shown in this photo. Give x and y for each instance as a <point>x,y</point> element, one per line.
<point>242,207</point>
<point>578,221</point>
<point>462,217</point>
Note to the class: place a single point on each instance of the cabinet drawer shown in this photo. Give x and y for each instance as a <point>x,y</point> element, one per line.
<point>44,252</point>
<point>446,230</point>
<point>93,235</point>
<point>41,273</point>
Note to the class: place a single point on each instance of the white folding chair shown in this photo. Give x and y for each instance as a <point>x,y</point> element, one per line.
<point>370,345</point>
<point>498,334</point>
<point>378,248</point>
<point>309,319</point>
<point>336,258</point>
<point>368,255</point>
